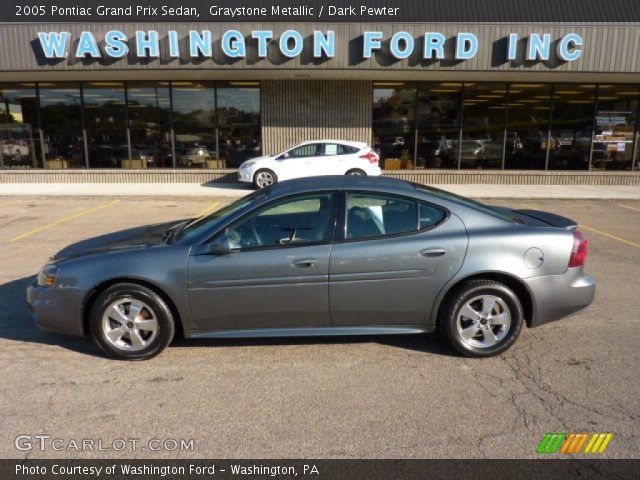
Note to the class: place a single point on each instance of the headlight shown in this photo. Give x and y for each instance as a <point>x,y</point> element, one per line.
<point>47,276</point>
<point>247,164</point>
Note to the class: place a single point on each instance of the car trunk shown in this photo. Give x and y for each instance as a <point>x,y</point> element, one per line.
<point>537,218</point>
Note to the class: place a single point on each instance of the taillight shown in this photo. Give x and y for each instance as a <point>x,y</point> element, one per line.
<point>371,156</point>
<point>579,250</point>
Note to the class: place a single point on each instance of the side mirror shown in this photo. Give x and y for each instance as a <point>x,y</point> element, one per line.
<point>220,245</point>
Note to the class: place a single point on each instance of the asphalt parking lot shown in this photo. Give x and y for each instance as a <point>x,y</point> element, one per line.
<point>372,397</point>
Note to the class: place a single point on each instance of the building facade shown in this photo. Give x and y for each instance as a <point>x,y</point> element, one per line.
<point>492,96</point>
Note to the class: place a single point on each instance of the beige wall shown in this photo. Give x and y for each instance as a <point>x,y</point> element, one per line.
<point>297,110</point>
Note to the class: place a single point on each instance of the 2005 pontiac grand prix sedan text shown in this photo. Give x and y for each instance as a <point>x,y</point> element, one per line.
<point>322,256</point>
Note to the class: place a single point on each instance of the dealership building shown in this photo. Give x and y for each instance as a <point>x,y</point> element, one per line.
<point>479,92</point>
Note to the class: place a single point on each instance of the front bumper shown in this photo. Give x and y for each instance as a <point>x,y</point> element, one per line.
<point>556,296</point>
<point>56,309</point>
<point>245,175</point>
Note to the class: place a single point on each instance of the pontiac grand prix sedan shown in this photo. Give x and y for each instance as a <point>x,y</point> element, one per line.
<point>321,256</point>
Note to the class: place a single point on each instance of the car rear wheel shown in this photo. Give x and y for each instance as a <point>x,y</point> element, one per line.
<point>482,318</point>
<point>356,172</point>
<point>263,178</point>
<point>131,322</point>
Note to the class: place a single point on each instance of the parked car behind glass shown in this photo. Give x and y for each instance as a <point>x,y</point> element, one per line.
<point>310,159</point>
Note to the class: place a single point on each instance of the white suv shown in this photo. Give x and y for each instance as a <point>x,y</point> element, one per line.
<point>310,159</point>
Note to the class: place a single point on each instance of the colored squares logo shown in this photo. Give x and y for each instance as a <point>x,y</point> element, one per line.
<point>574,443</point>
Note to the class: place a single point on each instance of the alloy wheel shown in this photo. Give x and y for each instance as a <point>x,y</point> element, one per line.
<point>483,321</point>
<point>264,179</point>
<point>129,324</point>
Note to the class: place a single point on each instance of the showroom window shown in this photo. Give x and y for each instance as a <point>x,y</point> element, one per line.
<point>571,126</point>
<point>149,112</point>
<point>194,123</point>
<point>19,135</point>
<point>521,125</point>
<point>62,125</point>
<point>483,132</point>
<point>394,125</point>
<point>528,121</point>
<point>615,127</point>
<point>105,124</point>
<point>438,125</point>
<point>238,107</point>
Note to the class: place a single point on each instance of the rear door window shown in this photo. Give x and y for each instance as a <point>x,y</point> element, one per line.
<point>373,215</point>
<point>339,149</point>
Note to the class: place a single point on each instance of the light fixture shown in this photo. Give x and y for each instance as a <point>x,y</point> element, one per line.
<point>388,84</point>
<point>245,84</point>
<point>568,92</point>
<point>106,84</point>
<point>527,85</point>
<point>490,96</point>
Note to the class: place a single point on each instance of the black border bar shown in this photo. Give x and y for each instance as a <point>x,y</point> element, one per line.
<point>504,11</point>
<point>547,469</point>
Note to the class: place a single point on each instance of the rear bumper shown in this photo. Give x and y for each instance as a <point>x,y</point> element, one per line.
<point>556,296</point>
<point>56,309</point>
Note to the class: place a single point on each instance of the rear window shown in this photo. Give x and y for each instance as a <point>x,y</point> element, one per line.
<point>467,202</point>
<point>339,149</point>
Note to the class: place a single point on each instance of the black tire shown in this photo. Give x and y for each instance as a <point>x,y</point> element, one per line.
<point>356,172</point>
<point>448,320</point>
<point>264,171</point>
<point>131,291</point>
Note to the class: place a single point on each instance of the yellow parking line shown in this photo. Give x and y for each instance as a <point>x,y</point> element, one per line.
<point>628,207</point>
<point>610,235</point>
<point>64,219</point>
<point>209,209</point>
<point>9,202</point>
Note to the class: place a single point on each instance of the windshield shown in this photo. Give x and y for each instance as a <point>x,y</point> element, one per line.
<point>210,222</point>
<point>495,211</point>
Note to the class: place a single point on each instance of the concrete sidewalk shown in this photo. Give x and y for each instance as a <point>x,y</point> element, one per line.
<point>239,190</point>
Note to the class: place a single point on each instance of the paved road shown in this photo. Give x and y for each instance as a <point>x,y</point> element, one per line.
<point>348,397</point>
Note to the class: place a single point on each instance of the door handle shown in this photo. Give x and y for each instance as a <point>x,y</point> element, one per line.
<point>432,252</point>
<point>306,262</point>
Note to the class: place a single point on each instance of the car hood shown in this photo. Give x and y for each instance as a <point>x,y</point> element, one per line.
<point>257,159</point>
<point>133,238</point>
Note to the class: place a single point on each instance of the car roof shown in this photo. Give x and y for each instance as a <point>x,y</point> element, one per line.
<point>343,142</point>
<point>342,182</point>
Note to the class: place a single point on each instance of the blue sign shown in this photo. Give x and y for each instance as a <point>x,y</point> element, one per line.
<point>290,43</point>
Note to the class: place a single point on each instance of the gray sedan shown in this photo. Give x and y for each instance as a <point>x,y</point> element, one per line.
<point>322,256</point>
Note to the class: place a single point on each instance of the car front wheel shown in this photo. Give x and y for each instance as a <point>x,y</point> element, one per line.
<point>356,172</point>
<point>482,318</point>
<point>131,322</point>
<point>263,178</point>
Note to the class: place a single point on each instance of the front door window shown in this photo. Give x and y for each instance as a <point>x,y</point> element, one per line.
<point>297,220</point>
